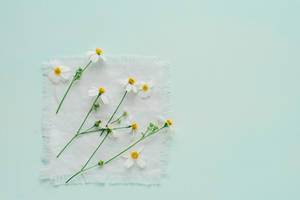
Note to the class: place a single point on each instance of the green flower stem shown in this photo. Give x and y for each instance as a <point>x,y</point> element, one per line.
<point>122,127</point>
<point>77,134</point>
<point>63,99</point>
<point>86,66</point>
<point>71,84</point>
<point>117,155</point>
<point>89,112</point>
<point>117,107</point>
<point>90,128</point>
<point>63,149</point>
<point>81,172</point>
<point>118,119</point>
<point>93,131</point>
<point>138,141</point>
<point>95,151</point>
<point>92,155</point>
<point>103,129</point>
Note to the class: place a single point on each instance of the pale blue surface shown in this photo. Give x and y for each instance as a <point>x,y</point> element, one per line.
<point>235,92</point>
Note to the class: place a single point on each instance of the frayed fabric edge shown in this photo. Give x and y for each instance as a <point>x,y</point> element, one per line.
<point>47,121</point>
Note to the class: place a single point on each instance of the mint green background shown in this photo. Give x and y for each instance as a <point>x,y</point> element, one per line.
<point>235,92</point>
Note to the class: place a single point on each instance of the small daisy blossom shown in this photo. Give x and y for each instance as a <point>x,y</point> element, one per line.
<point>58,72</point>
<point>165,122</point>
<point>95,55</point>
<point>94,91</point>
<point>145,89</point>
<point>134,157</point>
<point>134,129</point>
<point>129,85</point>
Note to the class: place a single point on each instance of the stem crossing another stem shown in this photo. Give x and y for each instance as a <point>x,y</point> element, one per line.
<point>117,155</point>
<point>87,162</point>
<point>78,131</point>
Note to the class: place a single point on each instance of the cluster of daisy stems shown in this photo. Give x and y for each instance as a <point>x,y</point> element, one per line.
<point>110,127</point>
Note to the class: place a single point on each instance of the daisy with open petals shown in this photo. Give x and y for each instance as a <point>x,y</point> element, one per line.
<point>133,157</point>
<point>129,85</point>
<point>58,72</point>
<point>94,91</point>
<point>166,123</point>
<point>145,89</point>
<point>96,55</point>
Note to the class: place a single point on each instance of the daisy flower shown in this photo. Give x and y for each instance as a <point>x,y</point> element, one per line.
<point>129,85</point>
<point>59,73</point>
<point>95,55</point>
<point>145,89</point>
<point>134,157</point>
<point>167,123</point>
<point>134,129</point>
<point>94,91</point>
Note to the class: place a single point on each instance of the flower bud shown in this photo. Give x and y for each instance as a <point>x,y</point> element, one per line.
<point>101,162</point>
<point>97,123</point>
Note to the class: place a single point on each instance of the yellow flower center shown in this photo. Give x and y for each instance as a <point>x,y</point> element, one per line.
<point>131,81</point>
<point>57,71</point>
<point>101,90</point>
<point>169,122</point>
<point>98,51</point>
<point>134,155</point>
<point>134,126</point>
<point>145,87</point>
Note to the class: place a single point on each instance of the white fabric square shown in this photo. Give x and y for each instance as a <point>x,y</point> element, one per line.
<point>59,129</point>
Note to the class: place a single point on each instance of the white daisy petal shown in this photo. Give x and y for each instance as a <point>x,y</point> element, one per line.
<point>90,53</point>
<point>128,163</point>
<point>65,76</point>
<point>148,93</point>
<point>65,69</point>
<point>141,83</point>
<point>123,82</point>
<point>129,88</point>
<point>54,63</point>
<point>93,91</point>
<point>94,58</point>
<point>161,119</point>
<point>132,132</point>
<point>150,84</point>
<point>113,134</point>
<point>53,77</point>
<point>126,155</point>
<point>141,163</point>
<point>143,94</point>
<point>103,58</point>
<point>104,98</point>
<point>134,89</point>
<point>140,149</point>
<point>169,131</point>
